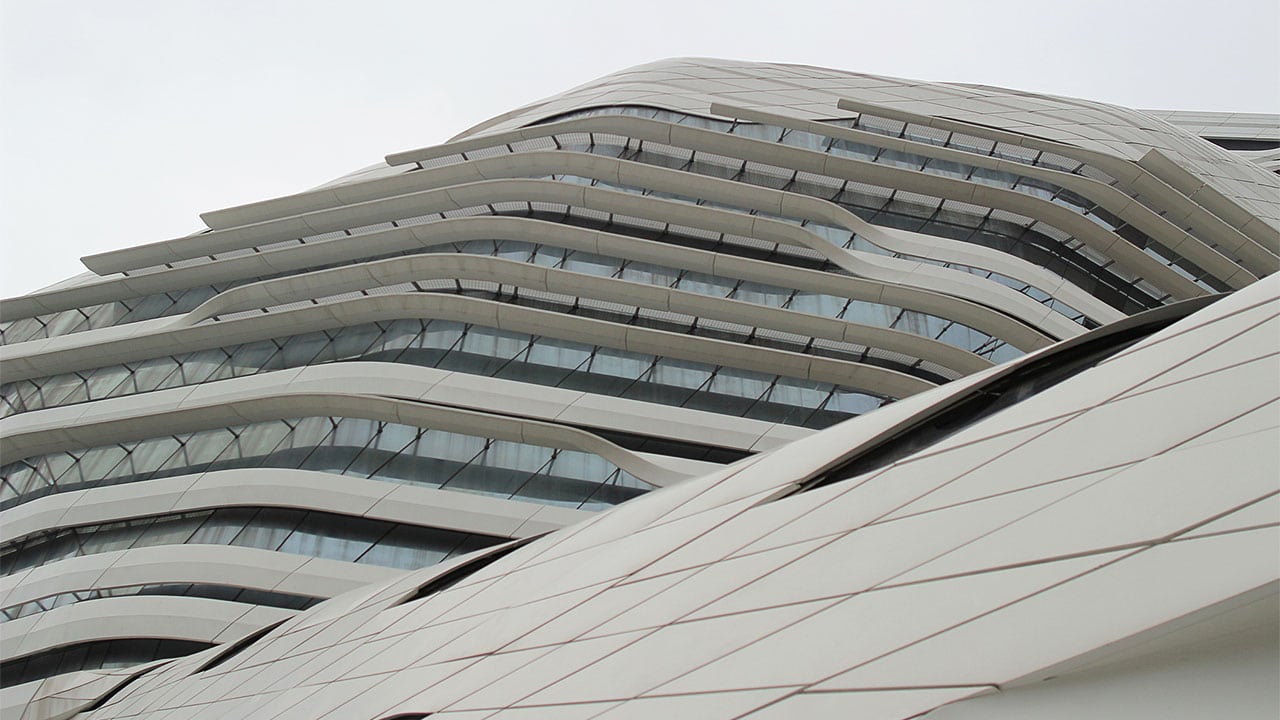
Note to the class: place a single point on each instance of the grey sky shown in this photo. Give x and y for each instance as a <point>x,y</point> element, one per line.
<point>120,121</point>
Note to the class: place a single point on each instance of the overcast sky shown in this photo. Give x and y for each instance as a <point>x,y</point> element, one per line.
<point>121,120</point>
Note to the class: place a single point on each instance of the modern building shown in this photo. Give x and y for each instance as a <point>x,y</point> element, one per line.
<point>421,389</point>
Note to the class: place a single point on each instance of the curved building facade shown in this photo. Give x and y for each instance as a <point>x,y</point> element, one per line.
<point>679,281</point>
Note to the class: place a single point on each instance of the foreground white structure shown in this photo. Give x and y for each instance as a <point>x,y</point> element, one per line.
<point>672,278</point>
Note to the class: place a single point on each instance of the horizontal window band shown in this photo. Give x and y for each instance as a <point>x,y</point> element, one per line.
<point>212,591</point>
<point>302,532</point>
<point>94,655</point>
<point>340,445</point>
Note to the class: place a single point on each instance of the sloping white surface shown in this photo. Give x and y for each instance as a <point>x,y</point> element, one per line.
<point>1068,569</point>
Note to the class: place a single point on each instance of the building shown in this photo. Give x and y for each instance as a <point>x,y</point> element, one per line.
<point>684,274</point>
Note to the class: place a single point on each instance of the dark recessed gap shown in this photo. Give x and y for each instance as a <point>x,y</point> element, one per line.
<point>1246,144</point>
<point>1005,390</point>
<point>667,446</point>
<point>452,577</point>
<point>106,697</point>
<point>238,647</point>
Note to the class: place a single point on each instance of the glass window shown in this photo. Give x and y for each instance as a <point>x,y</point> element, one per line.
<point>301,350</point>
<point>649,274</point>
<point>117,536</point>
<point>96,463</point>
<point>149,455</point>
<point>269,528</point>
<point>768,133</point>
<point>618,488</point>
<point>248,359</point>
<point>558,353</point>
<point>618,363</point>
<point>400,334</point>
<point>816,304</point>
<point>64,323</point>
<point>799,393</point>
<point>336,538</point>
<point>255,443</point>
<point>851,402</point>
<point>20,478</point>
<point>705,284</point>
<point>348,342</point>
<point>854,150</point>
<point>590,264</point>
<point>900,159</point>
<point>450,446</point>
<point>198,452</point>
<point>805,140</point>
<point>947,168</point>
<point>52,466</point>
<point>103,382</point>
<point>221,526</point>
<point>174,530</point>
<point>414,469</point>
<point>760,294</point>
<point>549,489</point>
<point>152,306</point>
<point>679,373</point>
<point>870,313</point>
<point>411,547</point>
<point>57,389</point>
